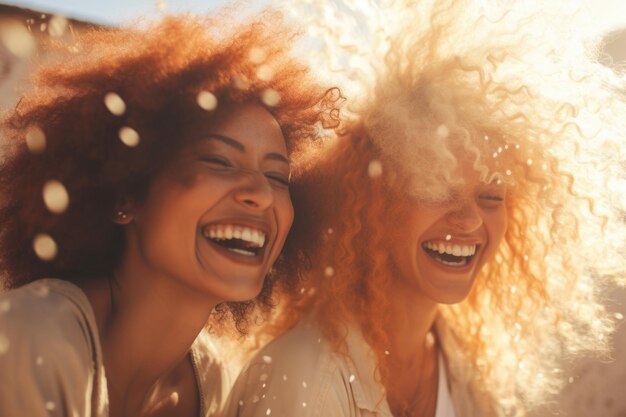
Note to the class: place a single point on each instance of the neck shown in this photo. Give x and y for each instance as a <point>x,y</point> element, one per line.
<point>412,352</point>
<point>412,319</point>
<point>147,323</point>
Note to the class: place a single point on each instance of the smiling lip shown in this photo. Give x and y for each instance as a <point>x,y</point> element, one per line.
<point>456,255</point>
<point>242,240</point>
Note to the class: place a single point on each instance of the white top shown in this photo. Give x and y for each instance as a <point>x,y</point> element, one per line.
<point>299,375</point>
<point>445,406</point>
<point>51,361</point>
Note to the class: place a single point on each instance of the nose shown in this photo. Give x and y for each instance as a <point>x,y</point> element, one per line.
<point>254,191</point>
<point>465,217</point>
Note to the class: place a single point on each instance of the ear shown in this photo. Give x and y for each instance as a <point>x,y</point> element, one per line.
<point>123,211</point>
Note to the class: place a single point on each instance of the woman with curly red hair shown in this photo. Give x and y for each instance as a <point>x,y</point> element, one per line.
<point>145,188</point>
<point>460,227</point>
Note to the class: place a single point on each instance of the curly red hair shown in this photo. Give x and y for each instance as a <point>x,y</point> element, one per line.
<point>159,71</point>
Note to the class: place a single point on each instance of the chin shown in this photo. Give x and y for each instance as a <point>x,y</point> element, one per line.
<point>447,292</point>
<point>242,291</point>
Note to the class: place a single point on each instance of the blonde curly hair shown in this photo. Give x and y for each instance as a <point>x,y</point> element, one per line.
<point>521,91</point>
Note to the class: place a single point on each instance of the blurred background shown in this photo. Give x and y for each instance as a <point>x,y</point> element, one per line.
<point>598,388</point>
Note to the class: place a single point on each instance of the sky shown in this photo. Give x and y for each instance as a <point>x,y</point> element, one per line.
<point>611,14</point>
<point>114,12</point>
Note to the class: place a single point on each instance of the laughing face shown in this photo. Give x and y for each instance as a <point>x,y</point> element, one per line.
<point>217,218</point>
<point>439,249</point>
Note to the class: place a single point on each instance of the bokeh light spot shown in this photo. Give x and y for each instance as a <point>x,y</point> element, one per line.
<point>115,104</point>
<point>18,40</point>
<point>45,247</point>
<point>207,100</point>
<point>57,26</point>
<point>129,136</point>
<point>35,140</point>
<point>270,97</point>
<point>375,169</point>
<point>55,196</point>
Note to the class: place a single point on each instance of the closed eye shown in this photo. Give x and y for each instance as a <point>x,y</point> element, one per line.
<point>217,161</point>
<point>490,197</point>
<point>278,178</point>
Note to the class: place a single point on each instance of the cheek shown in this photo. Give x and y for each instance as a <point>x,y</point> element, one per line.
<point>284,213</point>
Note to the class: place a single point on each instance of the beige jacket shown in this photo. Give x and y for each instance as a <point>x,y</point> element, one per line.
<point>51,360</point>
<point>299,375</point>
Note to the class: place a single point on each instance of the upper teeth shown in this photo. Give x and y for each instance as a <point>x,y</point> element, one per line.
<point>254,237</point>
<point>451,249</point>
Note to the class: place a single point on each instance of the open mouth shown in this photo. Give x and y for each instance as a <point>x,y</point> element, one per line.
<point>242,240</point>
<point>449,254</point>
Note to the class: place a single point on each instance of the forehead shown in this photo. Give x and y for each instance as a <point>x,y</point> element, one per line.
<point>251,125</point>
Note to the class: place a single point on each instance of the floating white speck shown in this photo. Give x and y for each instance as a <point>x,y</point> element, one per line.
<point>529,162</point>
<point>45,247</point>
<point>207,100</point>
<point>257,55</point>
<point>303,405</point>
<point>486,137</point>
<point>303,384</point>
<point>5,306</point>
<point>35,140</point>
<point>270,97</point>
<point>387,352</point>
<point>18,40</point>
<point>500,149</point>
<point>495,154</point>
<point>4,344</point>
<point>267,359</point>
<point>268,412</point>
<point>375,169</point>
<point>508,172</point>
<point>50,405</point>
<point>115,104</point>
<point>329,271</point>
<point>264,73</point>
<point>129,136</point>
<point>352,378</point>
<point>443,131</point>
<point>448,237</point>
<point>619,316</point>
<point>513,289</point>
<point>55,196</point>
<point>57,26</point>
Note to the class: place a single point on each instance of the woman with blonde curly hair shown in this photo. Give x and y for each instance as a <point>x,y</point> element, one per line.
<point>145,189</point>
<point>461,225</point>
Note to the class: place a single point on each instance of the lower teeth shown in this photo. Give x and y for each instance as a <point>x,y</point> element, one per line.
<point>241,251</point>
<point>462,262</point>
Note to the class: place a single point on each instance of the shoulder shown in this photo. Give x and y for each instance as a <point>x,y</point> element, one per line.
<point>298,373</point>
<point>46,311</point>
<point>49,346</point>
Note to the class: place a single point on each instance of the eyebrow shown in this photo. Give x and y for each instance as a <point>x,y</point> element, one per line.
<point>241,148</point>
